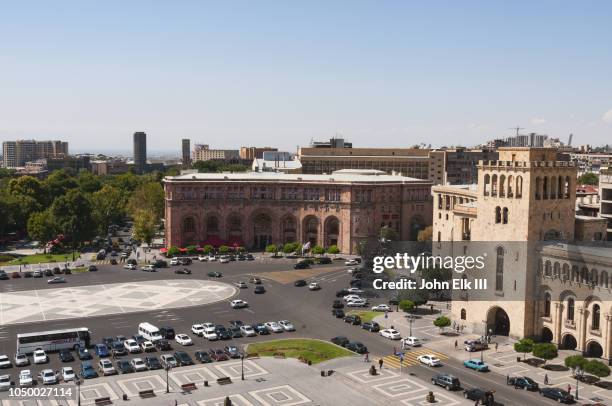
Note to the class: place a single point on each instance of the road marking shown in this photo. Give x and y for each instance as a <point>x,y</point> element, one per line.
<point>410,358</point>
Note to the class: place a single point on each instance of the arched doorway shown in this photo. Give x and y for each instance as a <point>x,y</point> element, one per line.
<point>593,349</point>
<point>332,231</point>
<point>189,231</point>
<point>311,230</point>
<point>416,224</point>
<point>212,226</point>
<point>569,342</point>
<point>262,230</point>
<point>289,229</point>
<point>234,229</point>
<point>547,335</point>
<point>498,321</point>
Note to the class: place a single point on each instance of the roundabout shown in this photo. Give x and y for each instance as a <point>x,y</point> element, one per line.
<point>107,299</point>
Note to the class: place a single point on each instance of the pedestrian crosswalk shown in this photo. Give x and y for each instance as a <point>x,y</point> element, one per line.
<point>410,358</point>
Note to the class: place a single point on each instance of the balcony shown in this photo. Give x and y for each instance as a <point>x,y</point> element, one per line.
<point>595,332</point>
<point>570,323</point>
<point>466,236</point>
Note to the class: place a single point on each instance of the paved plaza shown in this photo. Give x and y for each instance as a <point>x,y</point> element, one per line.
<point>117,298</point>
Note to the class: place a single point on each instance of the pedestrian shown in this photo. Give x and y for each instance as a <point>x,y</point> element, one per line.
<point>496,345</point>
<point>569,388</point>
<point>455,344</point>
<point>507,379</point>
<point>380,363</point>
<point>545,379</point>
<point>431,307</point>
<point>386,315</point>
<point>367,357</point>
<point>175,402</point>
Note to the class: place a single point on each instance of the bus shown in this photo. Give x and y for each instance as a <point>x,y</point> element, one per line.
<point>54,340</point>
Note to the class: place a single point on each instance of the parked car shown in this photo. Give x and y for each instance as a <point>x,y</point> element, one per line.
<point>232,351</point>
<point>352,319</point>
<point>48,377</point>
<point>286,325</point>
<point>25,378</point>
<point>338,313</point>
<point>475,345</point>
<point>381,308</point>
<point>163,345</point>
<point>105,366</point>
<point>132,346</point>
<point>21,360</point>
<point>183,271</point>
<point>66,356</point>
<point>57,279</point>
<point>83,354</point>
<point>274,327</point>
<point>67,374</point>
<point>218,355</point>
<point>118,349</point>
<point>152,363</point>
<point>357,347</point>
<point>523,382</point>
<point>247,331</point>
<point>371,326</point>
<point>259,289</point>
<point>261,329</point>
<point>183,339</point>
<point>476,365</point>
<point>203,357</point>
<point>558,394</point>
<point>391,334</point>
<point>40,357</point>
<point>138,364</point>
<point>124,366</point>
<point>101,350</point>
<point>314,286</point>
<point>183,358</point>
<point>484,397</point>
<point>168,360</point>
<point>338,304</point>
<point>87,370</point>
<point>340,340</point>
<point>167,332</point>
<point>5,361</point>
<point>447,381</point>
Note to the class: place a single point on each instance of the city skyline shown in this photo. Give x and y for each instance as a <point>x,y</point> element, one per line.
<point>268,75</point>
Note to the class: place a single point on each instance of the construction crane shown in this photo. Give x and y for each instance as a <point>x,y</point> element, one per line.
<point>517,128</point>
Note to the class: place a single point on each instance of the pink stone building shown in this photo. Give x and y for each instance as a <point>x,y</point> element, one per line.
<point>256,209</point>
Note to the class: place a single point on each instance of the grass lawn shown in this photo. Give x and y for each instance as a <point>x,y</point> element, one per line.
<point>366,315</point>
<point>40,259</point>
<point>313,350</point>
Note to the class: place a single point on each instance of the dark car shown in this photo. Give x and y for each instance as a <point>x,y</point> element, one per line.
<point>218,355</point>
<point>118,348</point>
<point>299,283</point>
<point>357,347</point>
<point>236,323</point>
<point>214,274</point>
<point>139,339</point>
<point>203,357</point>
<point>338,304</point>
<point>183,271</point>
<point>356,283</point>
<point>88,371</point>
<point>3,276</point>
<point>338,313</point>
<point>261,329</point>
<point>28,274</point>
<point>101,350</point>
<point>48,272</point>
<point>222,333</point>
<point>447,381</point>
<point>57,270</point>
<point>124,366</point>
<point>325,260</point>
<point>92,268</point>
<point>167,333</point>
<point>100,257</point>
<point>484,397</point>
<point>83,354</point>
<point>342,293</point>
<point>66,356</point>
<point>259,289</point>
<point>232,351</point>
<point>113,261</point>
<point>560,395</point>
<point>160,263</point>
<point>121,338</point>
<point>108,341</point>
<point>250,257</point>
<point>340,340</point>
<point>371,326</point>
<point>354,319</point>
<point>235,332</point>
<point>185,261</point>
<point>132,261</point>
<point>163,345</point>
<point>152,363</point>
<point>301,265</point>
<point>183,358</point>
<point>523,382</point>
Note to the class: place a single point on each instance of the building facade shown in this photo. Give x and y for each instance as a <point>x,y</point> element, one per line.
<point>140,152</point>
<point>203,152</point>
<point>253,210</point>
<point>186,152</point>
<point>251,153</point>
<point>605,190</point>
<point>17,153</point>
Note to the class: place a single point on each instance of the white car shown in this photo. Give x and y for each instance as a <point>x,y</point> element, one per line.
<point>21,360</point>
<point>348,298</point>
<point>5,382</point>
<point>429,360</point>
<point>68,374</point>
<point>47,377</point>
<point>131,346</point>
<point>241,285</point>
<point>174,261</point>
<point>202,258</point>
<point>357,303</point>
<point>5,361</point>
<point>148,268</point>
<point>212,258</point>
<point>147,346</point>
<point>25,378</point>
<point>239,304</point>
<point>381,308</point>
<point>131,267</point>
<point>391,334</point>
<point>224,260</point>
<point>198,330</point>
<point>354,290</point>
<point>314,286</point>
<point>411,342</point>
<point>210,333</point>
<point>183,339</point>
<point>40,357</point>
<point>286,325</point>
<point>352,270</point>
<point>247,331</point>
<point>168,360</point>
<point>274,327</point>
<point>351,262</point>
<point>138,364</point>
<point>105,366</point>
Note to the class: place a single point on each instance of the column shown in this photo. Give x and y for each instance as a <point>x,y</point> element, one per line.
<point>606,336</point>
<point>581,329</point>
<point>557,323</point>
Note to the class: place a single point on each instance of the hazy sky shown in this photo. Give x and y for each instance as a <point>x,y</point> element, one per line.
<point>229,73</point>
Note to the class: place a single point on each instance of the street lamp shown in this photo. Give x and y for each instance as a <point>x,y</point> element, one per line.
<point>77,382</point>
<point>242,366</point>
<point>484,341</point>
<point>168,368</point>
<point>410,321</point>
<point>577,372</point>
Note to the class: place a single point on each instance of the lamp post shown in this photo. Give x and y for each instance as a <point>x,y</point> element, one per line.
<point>483,343</point>
<point>168,368</point>
<point>77,382</point>
<point>410,321</point>
<point>242,366</point>
<point>577,372</point>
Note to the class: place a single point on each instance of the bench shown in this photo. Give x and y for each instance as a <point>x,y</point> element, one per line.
<point>103,401</point>
<point>224,380</point>
<point>149,393</point>
<point>188,387</point>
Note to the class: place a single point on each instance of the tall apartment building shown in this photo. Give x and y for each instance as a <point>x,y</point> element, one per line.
<point>140,152</point>
<point>202,152</point>
<point>605,189</point>
<point>17,153</point>
<point>186,150</point>
<point>250,153</point>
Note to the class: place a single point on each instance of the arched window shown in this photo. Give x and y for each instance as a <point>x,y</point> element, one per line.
<point>594,277</point>
<point>547,304</point>
<point>595,317</point>
<point>487,184</point>
<point>519,186</point>
<point>494,185</point>
<point>505,216</point>
<point>566,189</point>
<point>212,224</point>
<point>566,272</point>
<point>538,188</point>
<point>188,225</point>
<point>603,281</point>
<point>498,215</point>
<point>545,188</point>
<point>463,314</point>
<point>547,268</point>
<point>502,186</point>
<point>510,186</point>
<point>557,270</point>
<point>575,274</point>
<point>570,309</point>
<point>584,275</point>
<point>553,187</point>
<point>499,269</point>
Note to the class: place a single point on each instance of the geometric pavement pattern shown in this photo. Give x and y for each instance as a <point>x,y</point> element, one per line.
<point>410,358</point>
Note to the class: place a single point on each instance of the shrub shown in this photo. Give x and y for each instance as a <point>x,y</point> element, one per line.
<point>407,305</point>
<point>318,250</point>
<point>333,249</point>
<point>545,351</point>
<point>574,361</point>
<point>525,345</point>
<point>192,250</point>
<point>290,247</point>
<point>207,249</point>
<point>441,322</point>
<point>224,249</point>
<point>6,258</point>
<point>597,368</point>
<point>173,251</point>
<point>271,248</point>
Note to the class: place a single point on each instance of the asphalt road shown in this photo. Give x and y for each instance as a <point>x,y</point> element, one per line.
<point>310,312</point>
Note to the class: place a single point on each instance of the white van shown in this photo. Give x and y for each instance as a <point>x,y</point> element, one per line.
<point>411,342</point>
<point>149,332</point>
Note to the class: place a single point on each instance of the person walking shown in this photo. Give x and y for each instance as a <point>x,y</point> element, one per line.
<point>545,379</point>
<point>569,388</point>
<point>366,358</point>
<point>380,363</point>
<point>456,344</point>
<point>496,346</point>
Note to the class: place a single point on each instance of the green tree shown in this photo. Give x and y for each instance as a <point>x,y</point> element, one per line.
<point>72,214</point>
<point>108,205</point>
<point>524,345</point>
<point>575,361</point>
<point>318,250</point>
<point>406,305</point>
<point>58,184</point>
<point>271,248</point>
<point>88,182</point>
<point>207,249</point>
<point>28,186</point>
<point>545,351</point>
<point>150,197</point>
<point>41,227</point>
<point>333,249</point>
<point>289,247</point>
<point>597,368</point>
<point>442,322</point>
<point>173,252</point>
<point>145,225</point>
<point>388,234</point>
<point>192,249</point>
<point>224,249</point>
<point>588,178</point>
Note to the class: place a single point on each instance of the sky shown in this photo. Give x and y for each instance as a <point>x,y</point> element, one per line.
<point>282,73</point>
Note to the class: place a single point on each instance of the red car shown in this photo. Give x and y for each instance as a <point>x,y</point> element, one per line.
<point>218,355</point>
